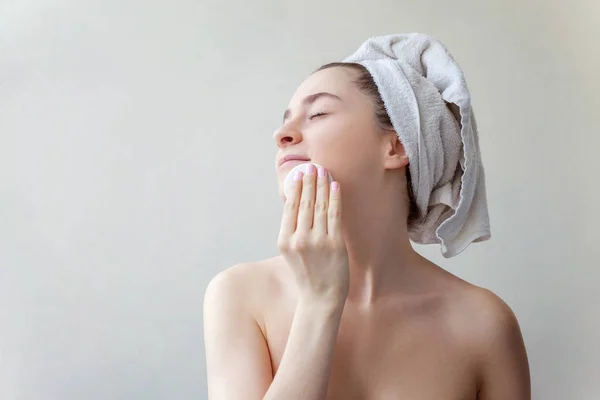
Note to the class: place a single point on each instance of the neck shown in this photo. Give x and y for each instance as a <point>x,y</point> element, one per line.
<point>382,260</point>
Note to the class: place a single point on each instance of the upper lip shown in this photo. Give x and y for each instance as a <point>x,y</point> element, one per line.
<point>290,157</point>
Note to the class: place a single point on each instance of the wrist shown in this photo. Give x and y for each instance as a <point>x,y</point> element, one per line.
<point>326,306</point>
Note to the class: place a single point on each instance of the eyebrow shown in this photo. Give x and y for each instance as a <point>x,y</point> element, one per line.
<point>311,99</point>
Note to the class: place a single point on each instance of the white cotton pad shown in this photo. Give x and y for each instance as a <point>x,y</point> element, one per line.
<point>287,183</point>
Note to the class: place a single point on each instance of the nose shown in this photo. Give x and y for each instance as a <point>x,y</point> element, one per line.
<point>286,136</point>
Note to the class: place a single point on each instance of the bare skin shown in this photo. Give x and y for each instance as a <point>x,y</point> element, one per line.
<point>451,340</point>
<point>402,327</point>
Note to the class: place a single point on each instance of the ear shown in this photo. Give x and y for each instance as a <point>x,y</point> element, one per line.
<point>394,156</point>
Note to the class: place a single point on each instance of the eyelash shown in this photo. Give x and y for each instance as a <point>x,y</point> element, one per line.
<point>316,115</point>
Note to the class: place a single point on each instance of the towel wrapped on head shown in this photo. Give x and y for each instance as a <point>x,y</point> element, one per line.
<point>426,97</point>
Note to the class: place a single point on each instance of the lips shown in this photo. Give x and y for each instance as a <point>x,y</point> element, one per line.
<point>290,163</point>
<point>293,157</point>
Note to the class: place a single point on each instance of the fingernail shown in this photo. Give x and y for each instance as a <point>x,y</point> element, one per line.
<point>310,169</point>
<point>335,186</point>
<point>297,175</point>
<point>321,172</point>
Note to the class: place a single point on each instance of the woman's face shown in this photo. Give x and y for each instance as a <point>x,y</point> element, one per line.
<point>332,123</point>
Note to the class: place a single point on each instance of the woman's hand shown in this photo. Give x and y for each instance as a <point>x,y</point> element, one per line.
<point>311,239</point>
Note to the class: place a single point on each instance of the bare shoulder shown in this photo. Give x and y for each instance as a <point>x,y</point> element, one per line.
<point>234,331</point>
<point>484,304</point>
<point>248,284</point>
<point>482,315</point>
<point>489,330</point>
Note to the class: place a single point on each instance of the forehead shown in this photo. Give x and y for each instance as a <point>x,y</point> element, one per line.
<point>336,80</point>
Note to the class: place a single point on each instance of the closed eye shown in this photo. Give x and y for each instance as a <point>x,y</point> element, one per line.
<point>316,115</point>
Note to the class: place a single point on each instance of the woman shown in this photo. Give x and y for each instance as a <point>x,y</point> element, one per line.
<point>349,310</point>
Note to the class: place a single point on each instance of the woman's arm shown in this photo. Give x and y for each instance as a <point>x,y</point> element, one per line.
<point>306,364</point>
<point>312,244</point>
<point>237,356</point>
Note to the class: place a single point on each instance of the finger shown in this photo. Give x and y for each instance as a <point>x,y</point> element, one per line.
<point>290,208</point>
<point>334,213</point>
<point>307,200</point>
<point>321,202</point>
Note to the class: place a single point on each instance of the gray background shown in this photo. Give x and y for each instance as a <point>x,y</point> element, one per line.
<point>136,162</point>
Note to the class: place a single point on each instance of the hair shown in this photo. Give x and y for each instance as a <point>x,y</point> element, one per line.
<point>364,81</point>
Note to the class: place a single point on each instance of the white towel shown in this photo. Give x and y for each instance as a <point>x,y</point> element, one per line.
<point>426,97</point>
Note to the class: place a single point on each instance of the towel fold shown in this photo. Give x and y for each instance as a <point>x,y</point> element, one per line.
<point>427,99</point>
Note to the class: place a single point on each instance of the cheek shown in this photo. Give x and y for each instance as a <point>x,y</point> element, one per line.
<point>351,151</point>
